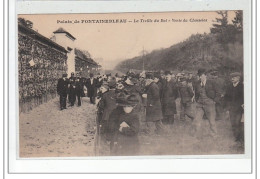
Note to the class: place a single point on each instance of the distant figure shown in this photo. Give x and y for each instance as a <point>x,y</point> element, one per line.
<point>72,89</point>
<point>234,97</point>
<point>79,88</point>
<point>62,88</point>
<point>91,85</point>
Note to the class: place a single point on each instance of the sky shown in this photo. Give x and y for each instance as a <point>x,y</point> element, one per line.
<point>110,43</point>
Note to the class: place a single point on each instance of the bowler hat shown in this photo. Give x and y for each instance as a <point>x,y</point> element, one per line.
<point>182,79</point>
<point>64,75</point>
<point>235,74</point>
<point>157,75</point>
<point>112,83</point>
<point>167,73</point>
<point>202,71</point>
<point>134,80</point>
<point>149,76</point>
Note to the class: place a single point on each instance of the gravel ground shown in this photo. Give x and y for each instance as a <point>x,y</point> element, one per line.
<point>48,132</point>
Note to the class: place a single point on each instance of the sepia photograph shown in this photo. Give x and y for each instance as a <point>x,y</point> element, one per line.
<point>131,84</point>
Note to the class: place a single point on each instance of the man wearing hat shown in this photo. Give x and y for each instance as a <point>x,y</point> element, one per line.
<point>124,126</point>
<point>153,108</point>
<point>234,99</point>
<point>106,105</point>
<point>91,84</point>
<point>186,94</point>
<point>79,87</point>
<point>72,89</point>
<point>62,88</point>
<point>168,96</point>
<point>207,94</point>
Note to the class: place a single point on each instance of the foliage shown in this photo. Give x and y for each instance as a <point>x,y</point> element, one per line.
<point>222,50</point>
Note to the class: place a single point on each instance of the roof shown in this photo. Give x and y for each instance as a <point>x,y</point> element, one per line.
<point>34,34</point>
<point>80,54</point>
<point>61,30</point>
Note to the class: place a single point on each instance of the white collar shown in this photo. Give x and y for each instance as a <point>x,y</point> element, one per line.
<point>203,83</point>
<point>235,84</point>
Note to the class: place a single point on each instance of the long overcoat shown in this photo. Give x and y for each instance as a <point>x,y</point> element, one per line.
<point>169,95</point>
<point>62,87</point>
<point>125,142</point>
<point>108,102</point>
<point>154,108</point>
<point>92,88</point>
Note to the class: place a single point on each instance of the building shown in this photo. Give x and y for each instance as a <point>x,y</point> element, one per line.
<point>41,62</point>
<point>78,60</point>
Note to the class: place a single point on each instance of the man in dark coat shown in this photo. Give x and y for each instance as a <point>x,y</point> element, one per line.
<point>186,94</point>
<point>62,88</point>
<point>234,98</point>
<point>220,82</point>
<point>107,104</point>
<point>91,85</point>
<point>72,89</point>
<point>153,108</point>
<point>207,94</point>
<point>159,82</point>
<point>169,95</point>
<point>79,88</point>
<point>125,126</point>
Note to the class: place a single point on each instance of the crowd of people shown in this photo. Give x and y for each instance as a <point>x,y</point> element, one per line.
<point>146,101</point>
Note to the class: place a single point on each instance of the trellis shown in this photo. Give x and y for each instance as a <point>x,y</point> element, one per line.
<point>39,68</point>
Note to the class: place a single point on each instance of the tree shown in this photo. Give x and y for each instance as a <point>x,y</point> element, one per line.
<point>238,21</point>
<point>221,23</point>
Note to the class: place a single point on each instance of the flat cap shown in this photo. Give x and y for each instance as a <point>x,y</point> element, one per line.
<point>235,74</point>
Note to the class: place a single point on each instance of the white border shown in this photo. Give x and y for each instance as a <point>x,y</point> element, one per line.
<point>168,164</point>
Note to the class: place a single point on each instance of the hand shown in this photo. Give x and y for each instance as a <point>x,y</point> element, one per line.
<point>121,129</point>
<point>124,124</point>
<point>242,106</point>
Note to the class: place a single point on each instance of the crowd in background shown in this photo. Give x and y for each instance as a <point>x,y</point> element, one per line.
<point>146,101</point>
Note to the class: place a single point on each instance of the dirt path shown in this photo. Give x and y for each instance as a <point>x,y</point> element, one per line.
<point>48,132</point>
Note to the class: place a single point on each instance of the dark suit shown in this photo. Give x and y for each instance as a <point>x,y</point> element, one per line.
<point>79,89</point>
<point>62,88</point>
<point>92,89</point>
<point>168,97</point>
<point>206,97</point>
<point>234,98</point>
<point>212,90</point>
<point>72,90</point>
